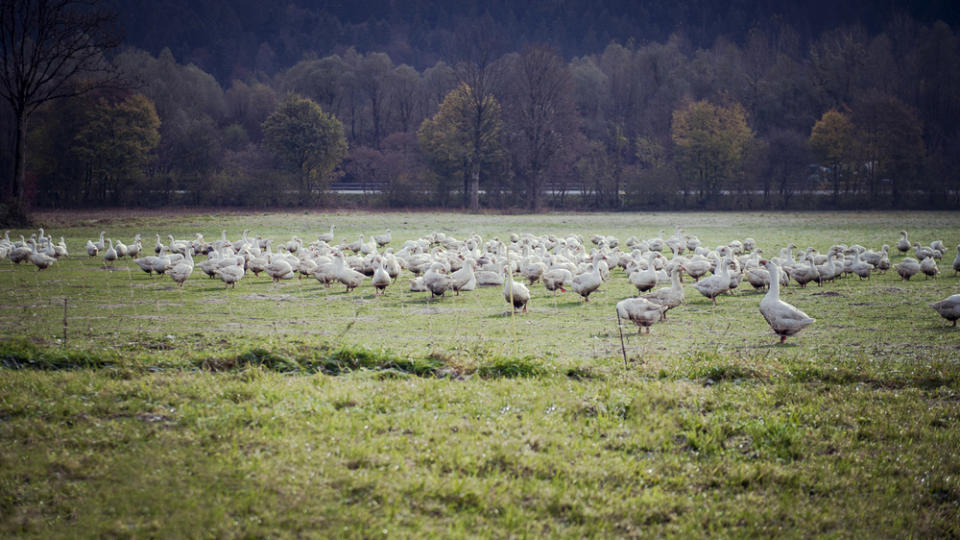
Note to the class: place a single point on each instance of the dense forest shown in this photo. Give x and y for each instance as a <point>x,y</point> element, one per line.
<point>560,104</point>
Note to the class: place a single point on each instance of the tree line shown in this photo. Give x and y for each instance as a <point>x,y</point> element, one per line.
<point>849,120</point>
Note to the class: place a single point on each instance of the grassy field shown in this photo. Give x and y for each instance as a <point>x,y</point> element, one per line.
<point>130,407</point>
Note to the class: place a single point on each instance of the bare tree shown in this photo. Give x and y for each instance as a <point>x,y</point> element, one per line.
<point>478,69</point>
<point>49,49</point>
<point>540,115</point>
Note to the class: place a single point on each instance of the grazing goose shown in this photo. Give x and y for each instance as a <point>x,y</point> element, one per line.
<point>907,268</point>
<point>381,279</point>
<point>20,253</point>
<point>922,252</point>
<point>146,263</point>
<point>904,243</point>
<point>641,312</point>
<point>929,267</point>
<point>279,268</point>
<point>668,297</point>
<point>259,263</point>
<point>584,284</point>
<point>41,260</point>
<point>325,272</point>
<point>516,294</point>
<point>121,249</point>
<point>697,267</point>
<point>383,239</point>
<point>554,280</point>
<point>92,249</point>
<point>938,248</point>
<point>232,274</point>
<point>491,278</point>
<point>532,268</point>
<point>949,308</point>
<point>783,318</point>
<point>956,262</point>
<point>437,280</point>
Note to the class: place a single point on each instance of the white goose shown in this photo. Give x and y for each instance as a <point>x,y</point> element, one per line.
<point>641,312</point>
<point>584,284</point>
<point>929,267</point>
<point>949,308</point>
<point>904,243</point>
<point>464,279</point>
<point>668,297</point>
<point>907,268</point>
<point>516,294</point>
<point>181,272</point>
<point>92,249</point>
<point>111,254</point>
<point>381,279</point>
<point>326,237</point>
<point>556,279</point>
<point>279,268</point>
<point>39,259</point>
<point>783,318</point>
<point>350,278</point>
<point>716,284</point>
<point>230,275</point>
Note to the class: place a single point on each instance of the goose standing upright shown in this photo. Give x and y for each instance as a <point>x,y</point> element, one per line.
<point>716,284</point>
<point>903,244</point>
<point>584,284</point>
<point>383,239</point>
<point>668,297</point>
<point>110,255</point>
<point>350,278</point>
<point>783,318</point>
<point>326,237</point>
<point>381,279</point>
<point>516,294</point>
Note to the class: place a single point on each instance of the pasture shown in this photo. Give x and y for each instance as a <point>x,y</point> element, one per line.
<point>132,407</point>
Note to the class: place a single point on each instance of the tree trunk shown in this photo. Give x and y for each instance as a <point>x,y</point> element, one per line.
<point>16,204</point>
<point>475,187</point>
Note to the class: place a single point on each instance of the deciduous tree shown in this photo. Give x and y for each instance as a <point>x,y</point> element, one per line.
<point>49,49</point>
<point>832,142</point>
<point>710,143</point>
<point>307,141</point>
<point>457,142</point>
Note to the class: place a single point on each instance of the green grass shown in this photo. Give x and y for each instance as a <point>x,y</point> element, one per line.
<point>295,410</point>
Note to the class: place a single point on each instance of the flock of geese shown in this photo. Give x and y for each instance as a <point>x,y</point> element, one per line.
<point>440,263</point>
